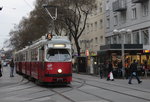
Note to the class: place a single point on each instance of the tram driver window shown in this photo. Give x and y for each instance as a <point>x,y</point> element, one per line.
<point>58,55</point>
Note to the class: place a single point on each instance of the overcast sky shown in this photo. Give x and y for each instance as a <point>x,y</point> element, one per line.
<point>11,14</point>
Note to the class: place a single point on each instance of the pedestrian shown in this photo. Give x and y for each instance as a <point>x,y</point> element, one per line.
<point>110,72</point>
<point>119,71</point>
<point>0,69</point>
<point>12,68</point>
<point>101,67</point>
<point>133,68</point>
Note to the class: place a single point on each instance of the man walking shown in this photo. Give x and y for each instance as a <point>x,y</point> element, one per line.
<point>133,68</point>
<point>12,68</point>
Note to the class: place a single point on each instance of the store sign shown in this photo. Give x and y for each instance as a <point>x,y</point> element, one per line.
<point>87,52</point>
<point>146,51</point>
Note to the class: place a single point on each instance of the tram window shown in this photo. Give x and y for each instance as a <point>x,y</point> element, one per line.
<point>58,55</point>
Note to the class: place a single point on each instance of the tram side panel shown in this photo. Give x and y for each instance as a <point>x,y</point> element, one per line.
<point>18,67</point>
<point>28,68</point>
<point>23,67</point>
<point>34,70</point>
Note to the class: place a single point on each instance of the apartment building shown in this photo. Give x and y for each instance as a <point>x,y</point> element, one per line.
<point>128,23</point>
<point>93,35</point>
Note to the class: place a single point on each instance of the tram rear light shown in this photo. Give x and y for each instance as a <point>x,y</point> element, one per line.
<point>59,70</point>
<point>59,45</point>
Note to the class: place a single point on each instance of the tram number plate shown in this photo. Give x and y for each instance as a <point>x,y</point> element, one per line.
<point>59,79</point>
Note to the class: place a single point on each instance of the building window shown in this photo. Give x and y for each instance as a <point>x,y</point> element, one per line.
<point>101,39</point>
<point>95,25</point>
<point>114,39</point>
<point>96,40</point>
<point>123,17</point>
<point>108,23</point>
<point>108,40</point>
<point>101,24</point>
<point>100,7</point>
<point>134,13</point>
<point>136,37</point>
<point>88,28</point>
<point>119,39</point>
<point>145,37</point>
<point>107,5</point>
<point>91,27</point>
<point>91,44</point>
<point>128,38</point>
<point>115,20</point>
<point>145,9</point>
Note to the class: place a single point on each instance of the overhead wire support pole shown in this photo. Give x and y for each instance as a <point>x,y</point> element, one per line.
<point>52,17</point>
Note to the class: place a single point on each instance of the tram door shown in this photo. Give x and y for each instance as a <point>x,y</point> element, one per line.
<point>82,64</point>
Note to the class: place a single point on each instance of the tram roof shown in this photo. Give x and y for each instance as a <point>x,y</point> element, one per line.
<point>59,39</point>
<point>42,40</point>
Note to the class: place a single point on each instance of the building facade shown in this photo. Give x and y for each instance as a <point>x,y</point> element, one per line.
<point>127,23</point>
<point>128,14</point>
<point>93,35</point>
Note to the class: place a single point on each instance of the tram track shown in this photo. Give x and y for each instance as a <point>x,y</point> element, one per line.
<point>83,82</point>
<point>61,93</point>
<point>119,86</point>
<point>58,92</point>
<point>119,92</point>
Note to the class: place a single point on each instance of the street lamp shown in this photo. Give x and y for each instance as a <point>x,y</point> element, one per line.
<point>122,32</point>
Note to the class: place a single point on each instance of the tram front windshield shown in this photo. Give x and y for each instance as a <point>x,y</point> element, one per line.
<point>56,55</point>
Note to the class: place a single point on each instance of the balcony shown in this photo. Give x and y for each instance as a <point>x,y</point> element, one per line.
<point>138,1</point>
<point>119,5</point>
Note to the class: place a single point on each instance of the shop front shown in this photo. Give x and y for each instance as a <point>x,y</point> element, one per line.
<point>113,53</point>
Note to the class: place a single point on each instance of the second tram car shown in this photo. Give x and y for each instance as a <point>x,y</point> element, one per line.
<point>47,60</point>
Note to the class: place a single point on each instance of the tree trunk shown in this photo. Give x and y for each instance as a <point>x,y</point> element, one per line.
<point>77,46</point>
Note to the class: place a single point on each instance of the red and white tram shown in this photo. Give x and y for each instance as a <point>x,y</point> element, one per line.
<point>47,60</point>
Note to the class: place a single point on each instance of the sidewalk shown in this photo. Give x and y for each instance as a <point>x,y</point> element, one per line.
<point>144,85</point>
<point>6,80</point>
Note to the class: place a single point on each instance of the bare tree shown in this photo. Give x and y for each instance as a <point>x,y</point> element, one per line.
<point>72,17</point>
<point>74,13</point>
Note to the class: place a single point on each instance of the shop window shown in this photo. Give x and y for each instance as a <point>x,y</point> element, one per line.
<point>145,37</point>
<point>128,38</point>
<point>114,39</point>
<point>136,37</point>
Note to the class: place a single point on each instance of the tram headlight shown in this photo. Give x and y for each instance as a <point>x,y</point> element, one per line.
<point>59,70</point>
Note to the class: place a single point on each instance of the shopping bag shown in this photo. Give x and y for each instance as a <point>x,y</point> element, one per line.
<point>134,73</point>
<point>111,76</point>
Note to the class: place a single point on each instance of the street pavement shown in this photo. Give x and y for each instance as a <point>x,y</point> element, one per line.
<point>6,82</point>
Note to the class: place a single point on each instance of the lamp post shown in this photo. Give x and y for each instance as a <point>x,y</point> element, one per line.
<point>122,32</point>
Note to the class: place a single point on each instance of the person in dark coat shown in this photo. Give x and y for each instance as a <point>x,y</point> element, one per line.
<point>119,74</point>
<point>133,68</point>
<point>101,68</point>
<point>12,68</point>
<point>110,69</point>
